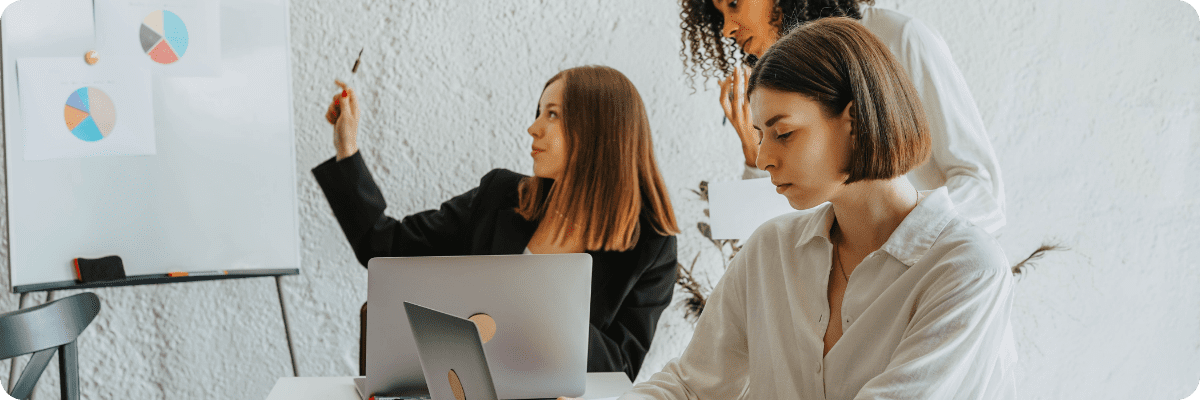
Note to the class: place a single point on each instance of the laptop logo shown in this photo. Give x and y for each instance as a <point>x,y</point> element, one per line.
<point>486,326</point>
<point>456,386</point>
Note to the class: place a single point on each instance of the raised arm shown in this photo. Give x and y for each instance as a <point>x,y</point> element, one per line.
<point>359,207</point>
<point>962,150</point>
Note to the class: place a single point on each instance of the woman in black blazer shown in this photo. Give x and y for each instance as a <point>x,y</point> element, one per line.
<point>595,188</point>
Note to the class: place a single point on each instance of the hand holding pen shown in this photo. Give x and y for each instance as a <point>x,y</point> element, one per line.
<point>343,113</point>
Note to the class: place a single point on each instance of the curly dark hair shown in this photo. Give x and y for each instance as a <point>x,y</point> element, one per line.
<point>713,56</point>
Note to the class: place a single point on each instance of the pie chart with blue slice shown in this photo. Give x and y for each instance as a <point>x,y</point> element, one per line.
<point>164,37</point>
<point>90,114</point>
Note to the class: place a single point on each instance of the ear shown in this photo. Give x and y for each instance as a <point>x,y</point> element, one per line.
<point>848,116</point>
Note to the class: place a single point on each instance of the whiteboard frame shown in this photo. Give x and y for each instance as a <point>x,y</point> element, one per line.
<point>179,249</point>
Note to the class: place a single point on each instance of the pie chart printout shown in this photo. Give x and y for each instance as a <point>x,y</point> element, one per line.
<point>90,114</point>
<point>164,37</point>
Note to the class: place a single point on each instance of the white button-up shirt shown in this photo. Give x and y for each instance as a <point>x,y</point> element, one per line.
<point>924,317</point>
<point>962,158</point>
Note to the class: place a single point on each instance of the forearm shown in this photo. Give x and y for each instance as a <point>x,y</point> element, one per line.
<point>664,385</point>
<point>356,201</point>
<point>359,207</point>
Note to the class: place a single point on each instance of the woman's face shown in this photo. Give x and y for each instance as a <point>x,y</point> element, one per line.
<point>549,145</point>
<point>805,151</point>
<point>749,23</point>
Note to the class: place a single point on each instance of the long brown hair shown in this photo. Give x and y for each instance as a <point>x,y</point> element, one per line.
<point>836,61</point>
<point>611,175</point>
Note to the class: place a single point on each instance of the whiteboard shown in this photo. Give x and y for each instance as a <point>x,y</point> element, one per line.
<point>220,192</point>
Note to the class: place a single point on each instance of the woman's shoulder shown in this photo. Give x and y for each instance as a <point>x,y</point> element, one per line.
<point>899,31</point>
<point>651,245</point>
<point>499,187</point>
<point>501,177</point>
<point>501,180</point>
<point>648,234</point>
<point>969,249</point>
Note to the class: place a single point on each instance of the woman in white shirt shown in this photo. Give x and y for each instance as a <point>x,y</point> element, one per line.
<point>884,292</point>
<point>962,158</point>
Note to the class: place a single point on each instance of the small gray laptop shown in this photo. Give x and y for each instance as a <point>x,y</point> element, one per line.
<point>451,355</point>
<point>539,303</point>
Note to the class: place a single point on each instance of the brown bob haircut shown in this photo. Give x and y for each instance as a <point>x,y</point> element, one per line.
<point>835,61</point>
<point>611,178</point>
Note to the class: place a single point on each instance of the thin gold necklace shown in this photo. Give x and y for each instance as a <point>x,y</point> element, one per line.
<point>837,259</point>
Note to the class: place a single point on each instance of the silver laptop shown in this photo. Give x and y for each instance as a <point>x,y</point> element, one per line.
<point>539,304</point>
<point>451,355</point>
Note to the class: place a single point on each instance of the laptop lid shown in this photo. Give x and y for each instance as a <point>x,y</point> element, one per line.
<point>451,355</point>
<point>539,303</point>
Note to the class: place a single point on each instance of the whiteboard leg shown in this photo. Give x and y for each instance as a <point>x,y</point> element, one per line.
<point>286,331</point>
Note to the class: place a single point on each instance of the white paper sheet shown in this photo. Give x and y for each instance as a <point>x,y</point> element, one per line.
<point>72,110</point>
<point>737,208</point>
<point>171,37</point>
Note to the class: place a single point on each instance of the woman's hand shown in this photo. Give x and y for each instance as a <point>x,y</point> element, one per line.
<point>343,114</point>
<point>737,110</point>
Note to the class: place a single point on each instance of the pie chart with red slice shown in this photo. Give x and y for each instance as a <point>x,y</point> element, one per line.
<point>164,37</point>
<point>90,114</point>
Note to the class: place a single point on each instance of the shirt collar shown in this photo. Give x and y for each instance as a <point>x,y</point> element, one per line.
<point>921,227</point>
<point>818,226</point>
<point>909,242</point>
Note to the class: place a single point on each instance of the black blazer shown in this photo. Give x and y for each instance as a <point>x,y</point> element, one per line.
<point>629,289</point>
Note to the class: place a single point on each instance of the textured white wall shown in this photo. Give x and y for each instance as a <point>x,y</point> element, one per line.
<point>1092,109</point>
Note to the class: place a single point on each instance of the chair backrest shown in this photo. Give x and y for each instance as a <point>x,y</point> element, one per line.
<point>362,340</point>
<point>42,330</point>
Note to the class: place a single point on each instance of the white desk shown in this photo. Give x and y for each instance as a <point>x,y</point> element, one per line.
<point>599,385</point>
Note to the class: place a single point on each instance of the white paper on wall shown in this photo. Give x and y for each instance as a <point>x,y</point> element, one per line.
<point>171,37</point>
<point>737,208</point>
<point>72,110</point>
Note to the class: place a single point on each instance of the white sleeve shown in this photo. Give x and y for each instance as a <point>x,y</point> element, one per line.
<point>954,338</point>
<point>961,148</point>
<point>714,364</point>
<point>754,172</point>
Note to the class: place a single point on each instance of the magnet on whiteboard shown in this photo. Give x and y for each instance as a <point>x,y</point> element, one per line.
<point>91,57</point>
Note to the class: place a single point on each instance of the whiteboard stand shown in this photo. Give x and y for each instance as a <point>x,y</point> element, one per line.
<point>220,191</point>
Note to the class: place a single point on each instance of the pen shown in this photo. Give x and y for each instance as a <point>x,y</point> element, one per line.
<point>198,273</point>
<point>354,70</point>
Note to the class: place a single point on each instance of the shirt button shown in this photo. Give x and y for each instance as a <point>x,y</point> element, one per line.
<point>818,368</point>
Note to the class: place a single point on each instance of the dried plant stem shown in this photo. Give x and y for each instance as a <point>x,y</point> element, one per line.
<point>694,304</point>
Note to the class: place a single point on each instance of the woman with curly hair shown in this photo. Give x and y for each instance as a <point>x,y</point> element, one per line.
<point>720,34</point>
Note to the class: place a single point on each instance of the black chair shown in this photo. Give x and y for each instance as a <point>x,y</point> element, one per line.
<point>362,340</point>
<point>42,330</point>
